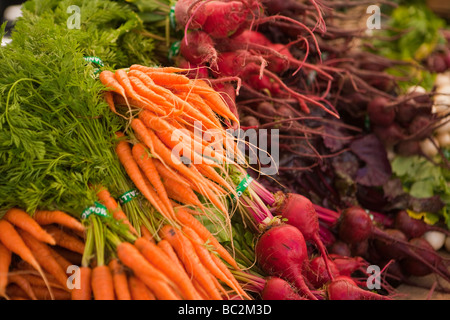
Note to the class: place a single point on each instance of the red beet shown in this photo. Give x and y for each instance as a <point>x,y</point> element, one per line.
<point>300,212</point>
<point>414,228</point>
<point>348,265</point>
<point>340,248</point>
<point>355,225</point>
<point>386,248</point>
<point>198,48</point>
<point>316,271</point>
<point>390,135</point>
<point>344,288</point>
<point>281,251</point>
<point>380,113</point>
<point>279,289</point>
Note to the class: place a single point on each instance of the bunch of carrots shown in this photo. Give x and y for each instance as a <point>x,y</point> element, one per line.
<point>36,252</point>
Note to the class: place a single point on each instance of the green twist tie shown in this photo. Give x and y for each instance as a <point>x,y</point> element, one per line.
<point>174,49</point>
<point>97,209</point>
<point>173,22</point>
<point>95,60</point>
<point>243,185</point>
<point>128,196</point>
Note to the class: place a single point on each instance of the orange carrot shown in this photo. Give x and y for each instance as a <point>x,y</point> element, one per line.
<point>212,174</point>
<point>13,241</point>
<point>102,283</point>
<point>171,254</point>
<point>5,262</point>
<point>156,256</point>
<point>138,289</point>
<point>84,292</point>
<point>63,262</point>
<point>145,162</point>
<point>23,283</point>
<point>181,193</point>
<point>145,233</point>
<point>37,281</point>
<point>120,279</point>
<point>40,292</point>
<point>107,78</point>
<point>23,220</point>
<point>146,92</point>
<point>44,257</point>
<point>65,240</point>
<point>188,220</point>
<point>110,101</point>
<point>176,164</point>
<point>123,151</point>
<point>120,101</point>
<point>190,259</point>
<point>201,290</point>
<point>206,258</point>
<point>45,217</point>
<point>157,282</point>
<point>157,69</point>
<point>163,78</point>
<point>113,207</point>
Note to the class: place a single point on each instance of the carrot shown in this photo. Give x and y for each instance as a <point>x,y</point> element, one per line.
<point>120,279</point>
<point>188,220</point>
<point>197,101</point>
<point>212,174</point>
<point>191,261</point>
<point>206,258</point>
<point>107,78</point>
<point>157,282</point>
<point>37,281</point>
<point>145,233</point>
<point>167,172</point>
<point>110,101</point>
<point>130,102</point>
<point>158,69</point>
<point>214,264</point>
<point>164,78</point>
<point>145,162</point>
<point>23,220</point>
<point>176,164</point>
<point>102,283</point>
<point>44,257</point>
<point>123,151</point>
<point>156,256</point>
<point>13,241</point>
<point>65,240</point>
<point>138,289</point>
<point>122,77</point>
<point>167,133</point>
<point>114,208</point>
<point>200,290</point>
<point>181,193</point>
<point>23,283</point>
<point>171,254</point>
<point>63,262</point>
<point>5,262</point>
<point>146,92</point>
<point>84,292</point>
<point>40,292</point>
<point>141,132</point>
<point>45,217</point>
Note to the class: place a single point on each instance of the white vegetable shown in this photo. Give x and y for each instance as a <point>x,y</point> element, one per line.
<point>444,89</point>
<point>419,89</point>
<point>445,128</point>
<point>428,148</point>
<point>435,238</point>
<point>442,79</point>
<point>442,99</point>
<point>447,243</point>
<point>443,139</point>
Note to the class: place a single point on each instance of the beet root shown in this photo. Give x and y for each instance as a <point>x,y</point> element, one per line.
<point>279,289</point>
<point>281,251</point>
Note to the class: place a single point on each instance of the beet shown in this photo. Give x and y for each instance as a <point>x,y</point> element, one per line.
<point>198,48</point>
<point>340,248</point>
<point>420,126</point>
<point>349,265</point>
<point>279,289</point>
<point>355,225</point>
<point>412,266</point>
<point>281,251</point>
<point>414,228</point>
<point>300,212</point>
<point>407,148</point>
<point>386,248</point>
<point>390,135</point>
<point>344,288</point>
<point>316,271</point>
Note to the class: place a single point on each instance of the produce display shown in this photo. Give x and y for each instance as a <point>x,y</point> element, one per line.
<point>224,150</point>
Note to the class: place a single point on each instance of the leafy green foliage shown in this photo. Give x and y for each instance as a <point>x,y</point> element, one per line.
<point>423,179</point>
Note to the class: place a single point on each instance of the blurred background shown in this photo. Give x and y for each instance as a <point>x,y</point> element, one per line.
<point>9,12</point>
